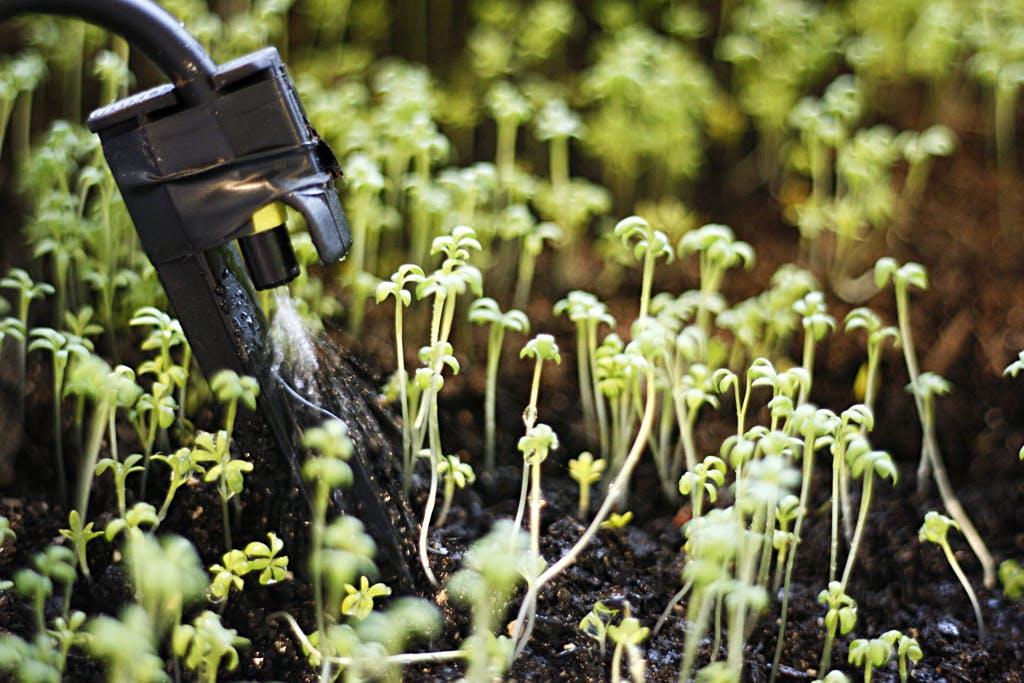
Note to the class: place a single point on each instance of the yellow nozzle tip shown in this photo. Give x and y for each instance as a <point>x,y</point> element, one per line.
<point>269,217</point>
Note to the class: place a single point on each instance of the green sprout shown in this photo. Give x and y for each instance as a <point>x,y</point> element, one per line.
<point>703,480</point>
<point>867,464</point>
<point>595,623</point>
<point>265,559</point>
<point>509,109</point>
<point>903,277</point>
<point>183,466</point>
<point>719,252</point>
<point>648,246</point>
<point>541,348</point>
<point>405,275</point>
<point>540,440</point>
<point>617,521</point>
<point>588,313</point>
<point>359,602</point>
<point>840,617</point>
<point>1011,577</point>
<point>62,349</point>
<point>127,646</point>
<point>228,472</point>
<point>485,310</point>
<point>855,421</point>
<point>120,471</point>
<point>205,644</point>
<point>56,564</point>
<point>456,474</point>
<point>817,323</point>
<point>908,652</point>
<point>870,654</point>
<point>936,529</point>
<point>232,389</point>
<point>27,291</point>
<point>326,471</point>
<point>627,636</point>
<point>586,471</point>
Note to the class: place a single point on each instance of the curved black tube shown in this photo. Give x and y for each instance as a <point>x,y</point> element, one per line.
<point>146,26</point>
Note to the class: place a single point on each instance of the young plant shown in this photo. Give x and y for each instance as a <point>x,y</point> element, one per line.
<point>540,348</point>
<point>840,618</point>
<point>206,646</point>
<point>455,474</point>
<point>870,654</point>
<point>1011,577</point>
<point>703,480</point>
<point>120,471</point>
<point>587,313</point>
<point>719,252</point>
<point>595,624</point>
<point>585,471</point>
<point>648,246</point>
<point>936,529</point>
<point>531,244</point>
<point>627,636</point>
<point>486,311</point>
<point>902,278</point>
<point>510,110</point>
<point>359,602</point>
<point>126,645</point>
<point>405,275</point>
<point>866,464</point>
<point>908,652</point>
<point>183,466</point>
<point>817,323</point>
<point>540,440</point>
<point>326,471</point>
<point>27,291</point>
<point>228,472</point>
<point>62,348</point>
<point>231,389</point>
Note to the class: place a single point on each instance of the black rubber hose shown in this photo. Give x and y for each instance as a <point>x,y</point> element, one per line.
<point>146,26</point>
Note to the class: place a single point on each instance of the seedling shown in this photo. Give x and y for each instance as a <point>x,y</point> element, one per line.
<point>902,278</point>
<point>704,480</point>
<point>79,534</point>
<point>486,311</point>
<point>648,246</point>
<point>585,471</point>
<point>228,472</point>
<point>531,244</point>
<point>867,464</point>
<point>359,602</point>
<point>618,521</point>
<point>870,654</point>
<point>120,471</point>
<point>855,421</point>
<point>231,389</point>
<point>205,644</point>
<point>719,251</point>
<point>540,440</point>
<point>908,652</point>
<point>455,474</point>
<point>840,617</point>
<point>588,313</point>
<point>406,274</point>
<point>1011,577</point>
<point>936,529</point>
<point>627,636</point>
<point>62,348</point>
<point>183,466</point>
<point>266,559</point>
<point>126,645</point>
<point>327,472</point>
<point>595,623</point>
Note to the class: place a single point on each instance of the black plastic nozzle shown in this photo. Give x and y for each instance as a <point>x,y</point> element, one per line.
<point>194,175</point>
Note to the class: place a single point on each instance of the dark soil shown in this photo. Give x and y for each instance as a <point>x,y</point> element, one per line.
<point>968,326</point>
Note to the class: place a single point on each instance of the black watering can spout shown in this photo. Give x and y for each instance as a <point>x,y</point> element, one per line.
<point>209,161</point>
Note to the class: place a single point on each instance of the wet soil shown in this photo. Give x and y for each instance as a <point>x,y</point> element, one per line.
<point>968,326</point>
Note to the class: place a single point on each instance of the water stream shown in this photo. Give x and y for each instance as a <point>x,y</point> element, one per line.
<point>326,381</point>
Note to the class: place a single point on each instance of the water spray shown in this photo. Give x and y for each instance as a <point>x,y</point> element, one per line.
<point>206,164</point>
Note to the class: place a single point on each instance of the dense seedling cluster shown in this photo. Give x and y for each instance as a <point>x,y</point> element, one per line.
<point>514,201</point>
